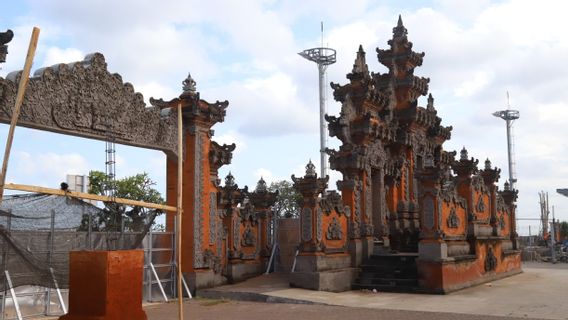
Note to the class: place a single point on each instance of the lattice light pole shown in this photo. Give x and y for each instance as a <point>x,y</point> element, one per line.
<point>323,57</point>
<point>509,116</point>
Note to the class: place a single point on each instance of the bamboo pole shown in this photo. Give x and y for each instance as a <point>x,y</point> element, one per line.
<point>180,211</point>
<point>89,196</point>
<point>24,79</point>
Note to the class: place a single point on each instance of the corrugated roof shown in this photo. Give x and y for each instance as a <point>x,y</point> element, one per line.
<point>34,211</point>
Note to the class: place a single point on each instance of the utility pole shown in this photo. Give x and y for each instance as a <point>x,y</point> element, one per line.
<point>509,116</point>
<point>553,238</point>
<point>323,57</point>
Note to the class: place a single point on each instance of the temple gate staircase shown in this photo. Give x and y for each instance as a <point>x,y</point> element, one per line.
<point>388,271</point>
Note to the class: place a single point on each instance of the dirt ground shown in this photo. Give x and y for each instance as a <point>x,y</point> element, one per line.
<point>225,309</point>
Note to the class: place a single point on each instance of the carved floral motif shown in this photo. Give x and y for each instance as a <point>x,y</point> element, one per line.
<point>453,220</point>
<point>334,230</point>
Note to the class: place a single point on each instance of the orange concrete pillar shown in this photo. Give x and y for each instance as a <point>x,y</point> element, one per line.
<point>105,285</point>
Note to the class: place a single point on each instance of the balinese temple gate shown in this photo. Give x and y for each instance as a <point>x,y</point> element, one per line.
<point>408,215</point>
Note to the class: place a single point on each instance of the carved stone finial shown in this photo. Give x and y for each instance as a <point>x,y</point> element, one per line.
<point>261,186</point>
<point>360,65</point>
<point>463,154</point>
<point>507,185</point>
<point>311,170</point>
<point>229,180</point>
<point>5,37</point>
<point>487,164</point>
<point>399,30</point>
<point>430,105</point>
<point>189,85</point>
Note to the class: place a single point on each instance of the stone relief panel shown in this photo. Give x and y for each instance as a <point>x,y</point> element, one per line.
<point>84,99</point>
<point>249,239</point>
<point>197,205</point>
<point>307,224</point>
<point>334,230</point>
<point>453,220</point>
<point>319,224</point>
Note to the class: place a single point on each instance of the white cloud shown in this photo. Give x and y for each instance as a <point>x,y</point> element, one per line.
<point>46,169</point>
<point>55,55</point>
<point>245,52</point>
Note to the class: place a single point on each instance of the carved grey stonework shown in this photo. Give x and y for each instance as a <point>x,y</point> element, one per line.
<point>220,237</point>
<point>236,234</point>
<point>368,197</point>
<point>84,99</point>
<point>306,224</point>
<point>249,240</point>
<point>197,205</point>
<point>212,217</point>
<point>428,212</point>
<point>334,230</point>
<point>480,206</point>
<point>502,223</point>
<point>453,219</point>
<point>490,260</point>
<point>319,224</point>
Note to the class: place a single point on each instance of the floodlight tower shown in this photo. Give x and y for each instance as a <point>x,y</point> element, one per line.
<point>323,57</point>
<point>509,116</point>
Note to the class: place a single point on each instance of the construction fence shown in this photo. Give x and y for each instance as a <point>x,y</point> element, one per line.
<point>34,258</point>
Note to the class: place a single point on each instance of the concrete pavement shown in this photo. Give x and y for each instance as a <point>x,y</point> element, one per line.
<point>541,291</point>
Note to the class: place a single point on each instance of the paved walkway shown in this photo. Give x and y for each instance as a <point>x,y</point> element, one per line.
<point>541,291</point>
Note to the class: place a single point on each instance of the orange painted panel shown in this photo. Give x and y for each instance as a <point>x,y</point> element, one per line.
<point>105,285</point>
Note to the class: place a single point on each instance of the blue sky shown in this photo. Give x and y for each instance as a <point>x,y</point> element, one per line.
<point>246,52</point>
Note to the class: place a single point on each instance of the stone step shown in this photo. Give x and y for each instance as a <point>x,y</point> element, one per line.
<point>390,259</point>
<point>398,274</point>
<point>386,288</point>
<point>388,282</point>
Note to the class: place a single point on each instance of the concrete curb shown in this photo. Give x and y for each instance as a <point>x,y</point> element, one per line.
<point>251,296</point>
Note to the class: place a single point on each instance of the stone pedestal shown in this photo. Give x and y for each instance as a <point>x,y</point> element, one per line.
<point>105,285</point>
<point>323,273</point>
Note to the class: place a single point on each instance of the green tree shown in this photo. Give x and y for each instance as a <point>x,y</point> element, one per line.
<point>135,218</point>
<point>563,230</point>
<point>286,205</point>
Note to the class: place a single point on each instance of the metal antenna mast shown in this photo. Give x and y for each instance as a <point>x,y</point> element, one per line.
<point>509,116</point>
<point>322,57</point>
<point>110,167</point>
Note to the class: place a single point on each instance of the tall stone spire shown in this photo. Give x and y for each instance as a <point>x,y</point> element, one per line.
<point>401,62</point>
<point>399,30</point>
<point>360,68</point>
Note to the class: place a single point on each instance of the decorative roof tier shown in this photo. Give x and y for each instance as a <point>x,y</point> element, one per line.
<point>401,62</point>
<point>193,108</point>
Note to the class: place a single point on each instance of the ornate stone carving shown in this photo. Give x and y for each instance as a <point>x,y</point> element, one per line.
<point>220,155</point>
<point>480,206</point>
<point>249,239</point>
<point>319,224</point>
<point>84,99</point>
<point>198,211</point>
<point>236,234</point>
<point>502,223</point>
<point>332,201</point>
<point>211,261</point>
<point>5,37</point>
<point>453,220</point>
<point>334,230</point>
<point>307,224</point>
<point>490,260</point>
